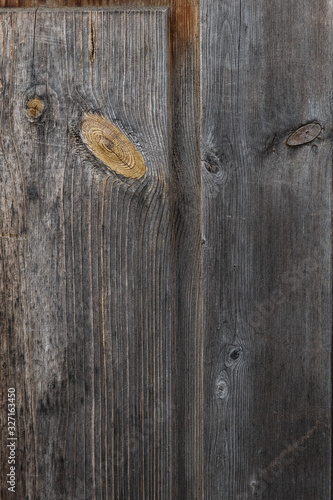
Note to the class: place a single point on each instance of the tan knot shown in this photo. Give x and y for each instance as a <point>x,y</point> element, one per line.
<point>35,107</point>
<point>112,146</point>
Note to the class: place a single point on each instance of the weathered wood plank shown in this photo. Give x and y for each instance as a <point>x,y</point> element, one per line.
<point>186,234</point>
<point>86,253</point>
<point>266,71</point>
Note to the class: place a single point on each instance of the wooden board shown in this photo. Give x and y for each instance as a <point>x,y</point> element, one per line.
<point>185,237</point>
<point>86,280</point>
<point>95,266</point>
<point>266,216</point>
<point>185,213</point>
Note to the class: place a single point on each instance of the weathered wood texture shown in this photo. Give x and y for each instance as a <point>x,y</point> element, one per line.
<point>101,274</point>
<point>185,237</point>
<point>185,223</point>
<point>85,255</point>
<point>266,216</point>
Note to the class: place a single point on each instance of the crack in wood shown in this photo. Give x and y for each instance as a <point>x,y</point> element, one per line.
<point>93,42</point>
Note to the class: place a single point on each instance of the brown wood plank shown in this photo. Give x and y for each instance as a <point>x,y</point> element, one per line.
<point>266,71</point>
<point>86,252</point>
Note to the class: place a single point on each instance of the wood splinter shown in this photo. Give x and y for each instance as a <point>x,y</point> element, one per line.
<point>112,147</point>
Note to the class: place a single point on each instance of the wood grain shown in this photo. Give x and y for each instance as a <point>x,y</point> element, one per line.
<point>86,255</point>
<point>185,238</point>
<point>266,215</point>
<point>185,207</point>
<point>185,210</point>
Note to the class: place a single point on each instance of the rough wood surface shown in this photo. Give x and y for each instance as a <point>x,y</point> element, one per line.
<point>184,202</point>
<point>85,252</point>
<point>101,285</point>
<point>266,215</point>
<point>185,209</point>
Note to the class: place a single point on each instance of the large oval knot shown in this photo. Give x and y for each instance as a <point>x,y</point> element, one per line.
<point>112,146</point>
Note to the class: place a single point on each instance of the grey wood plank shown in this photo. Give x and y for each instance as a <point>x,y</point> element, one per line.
<point>86,280</point>
<point>266,215</point>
